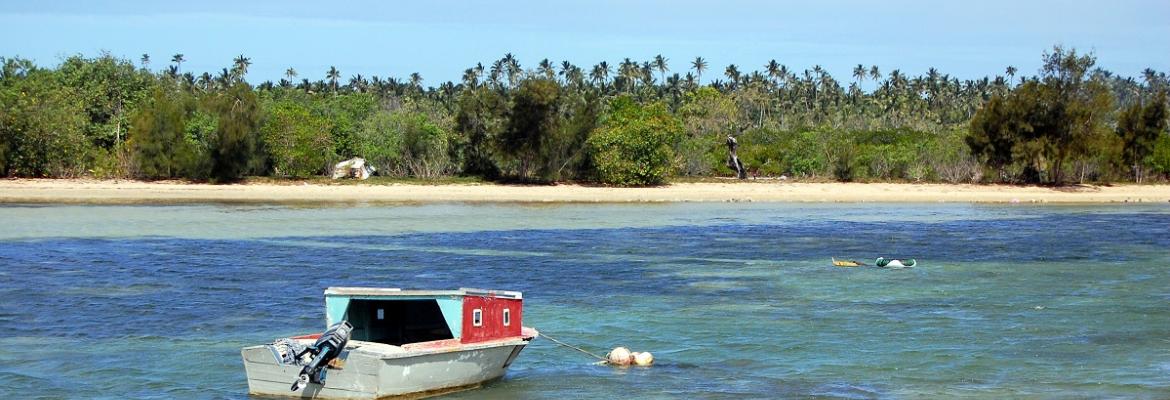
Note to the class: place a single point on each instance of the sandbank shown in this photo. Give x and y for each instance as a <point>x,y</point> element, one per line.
<point>83,191</point>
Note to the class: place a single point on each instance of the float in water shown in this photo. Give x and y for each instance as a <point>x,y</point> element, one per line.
<point>621,357</point>
<point>894,263</point>
<point>846,263</point>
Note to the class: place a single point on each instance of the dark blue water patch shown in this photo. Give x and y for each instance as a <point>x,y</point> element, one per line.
<point>1082,236</point>
<point>72,287</point>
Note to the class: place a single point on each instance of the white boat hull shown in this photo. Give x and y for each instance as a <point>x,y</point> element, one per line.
<point>372,370</point>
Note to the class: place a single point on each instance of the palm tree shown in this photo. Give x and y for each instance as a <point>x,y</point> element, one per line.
<point>829,85</point>
<point>674,83</point>
<point>290,74</point>
<point>496,71</point>
<point>809,88</point>
<point>545,67</point>
<point>240,65</point>
<point>566,68</point>
<point>178,60</point>
<point>732,73</point>
<point>416,80</point>
<point>897,78</point>
<point>875,73</point>
<point>897,82</point>
<point>660,65</point>
<point>357,83</point>
<point>699,65</point>
<point>628,72</point>
<point>1151,76</point>
<point>1011,72</point>
<point>600,74</point>
<point>189,81</point>
<point>470,78</point>
<point>773,69</point>
<point>395,84</point>
<point>333,75</point>
<point>446,92</point>
<point>145,61</point>
<point>224,79</point>
<point>932,75</point>
<point>378,85</point>
<point>859,73</point>
<point>646,74</point>
<point>576,76</point>
<point>511,68</point>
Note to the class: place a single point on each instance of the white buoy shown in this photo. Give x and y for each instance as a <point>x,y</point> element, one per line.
<point>619,356</point>
<point>643,359</point>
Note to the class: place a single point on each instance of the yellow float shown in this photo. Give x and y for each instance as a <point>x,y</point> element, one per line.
<point>643,359</point>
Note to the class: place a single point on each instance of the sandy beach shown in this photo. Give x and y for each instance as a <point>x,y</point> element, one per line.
<point>136,192</point>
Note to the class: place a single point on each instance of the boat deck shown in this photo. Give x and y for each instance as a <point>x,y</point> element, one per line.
<point>433,346</point>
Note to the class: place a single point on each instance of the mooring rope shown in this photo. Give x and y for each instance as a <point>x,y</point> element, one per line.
<point>546,336</point>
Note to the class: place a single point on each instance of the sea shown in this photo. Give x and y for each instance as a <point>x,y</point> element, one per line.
<point>734,300</point>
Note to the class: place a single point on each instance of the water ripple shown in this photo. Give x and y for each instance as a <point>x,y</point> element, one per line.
<point>1045,302</point>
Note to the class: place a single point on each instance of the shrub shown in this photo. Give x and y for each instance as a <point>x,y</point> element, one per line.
<point>1160,157</point>
<point>234,148</point>
<point>158,146</point>
<point>406,143</point>
<point>297,141</point>
<point>632,147</point>
<point>41,126</point>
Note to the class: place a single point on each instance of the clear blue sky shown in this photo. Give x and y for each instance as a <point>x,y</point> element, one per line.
<point>439,39</point>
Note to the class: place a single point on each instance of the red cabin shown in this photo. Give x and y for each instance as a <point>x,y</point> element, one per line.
<point>491,315</point>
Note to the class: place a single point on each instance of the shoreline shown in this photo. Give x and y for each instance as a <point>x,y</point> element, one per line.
<point>84,191</point>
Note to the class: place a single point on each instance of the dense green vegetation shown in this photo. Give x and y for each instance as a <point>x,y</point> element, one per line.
<point>634,123</point>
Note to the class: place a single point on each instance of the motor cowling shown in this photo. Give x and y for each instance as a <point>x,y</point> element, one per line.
<point>324,350</point>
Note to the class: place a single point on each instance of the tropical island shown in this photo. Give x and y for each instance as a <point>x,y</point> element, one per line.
<point>1071,127</point>
<point>777,199</point>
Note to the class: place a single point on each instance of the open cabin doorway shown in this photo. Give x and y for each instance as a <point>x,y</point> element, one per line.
<point>397,322</point>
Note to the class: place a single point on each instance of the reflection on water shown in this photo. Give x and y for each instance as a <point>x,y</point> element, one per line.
<point>735,300</point>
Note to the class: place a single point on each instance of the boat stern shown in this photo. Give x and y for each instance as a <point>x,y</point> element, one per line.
<point>351,375</point>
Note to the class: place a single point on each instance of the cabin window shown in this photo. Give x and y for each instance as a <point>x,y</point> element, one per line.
<point>507,317</point>
<point>477,317</point>
<point>381,314</point>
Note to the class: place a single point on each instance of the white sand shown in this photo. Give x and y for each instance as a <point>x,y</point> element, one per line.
<point>135,192</point>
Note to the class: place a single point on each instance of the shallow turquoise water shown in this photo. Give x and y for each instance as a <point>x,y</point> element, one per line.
<point>735,300</point>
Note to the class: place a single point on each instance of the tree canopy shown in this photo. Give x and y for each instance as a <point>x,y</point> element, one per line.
<point>632,122</point>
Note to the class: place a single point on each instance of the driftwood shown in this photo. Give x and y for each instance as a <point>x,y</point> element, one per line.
<point>733,159</point>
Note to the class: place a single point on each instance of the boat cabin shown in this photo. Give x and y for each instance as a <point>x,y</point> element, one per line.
<point>398,317</point>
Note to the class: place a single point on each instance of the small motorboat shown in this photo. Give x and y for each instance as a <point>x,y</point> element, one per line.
<point>894,263</point>
<point>384,342</point>
<point>846,263</point>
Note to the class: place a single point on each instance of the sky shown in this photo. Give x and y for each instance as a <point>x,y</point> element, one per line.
<point>439,39</point>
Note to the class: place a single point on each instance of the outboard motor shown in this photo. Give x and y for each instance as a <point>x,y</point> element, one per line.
<point>328,347</point>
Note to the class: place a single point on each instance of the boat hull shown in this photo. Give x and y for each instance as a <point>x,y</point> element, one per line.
<point>376,373</point>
